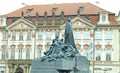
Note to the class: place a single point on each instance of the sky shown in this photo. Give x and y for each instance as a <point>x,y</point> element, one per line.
<point>7,6</point>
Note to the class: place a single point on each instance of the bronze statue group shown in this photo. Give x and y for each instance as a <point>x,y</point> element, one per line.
<point>62,48</point>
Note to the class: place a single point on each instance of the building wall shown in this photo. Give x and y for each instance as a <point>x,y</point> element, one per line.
<point>114,54</point>
<point>83,36</point>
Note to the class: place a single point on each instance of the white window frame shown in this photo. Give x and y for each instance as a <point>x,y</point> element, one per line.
<point>78,35</point>
<point>86,35</point>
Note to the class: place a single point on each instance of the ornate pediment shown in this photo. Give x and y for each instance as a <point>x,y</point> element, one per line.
<point>79,22</point>
<point>21,23</point>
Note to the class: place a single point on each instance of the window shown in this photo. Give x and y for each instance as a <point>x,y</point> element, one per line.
<point>54,10</point>
<point>86,35</point>
<point>3,54</point>
<point>98,55</point>
<point>29,36</point>
<point>28,54</point>
<point>29,10</point>
<point>103,18</point>
<point>98,35</point>
<point>108,35</point>
<point>21,36</point>
<point>19,54</point>
<point>1,21</point>
<point>62,15</point>
<point>4,36</point>
<point>48,35</point>
<point>77,35</point>
<point>85,53</point>
<point>87,16</point>
<point>39,35</point>
<point>39,53</point>
<point>12,54</point>
<point>108,55</point>
<point>13,36</point>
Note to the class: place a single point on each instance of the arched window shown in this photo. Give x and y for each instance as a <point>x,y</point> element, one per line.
<point>20,48</point>
<point>28,54</point>
<point>28,47</point>
<point>4,53</point>
<point>108,52</point>
<point>13,54</point>
<point>98,52</point>
<point>86,50</point>
<point>13,51</point>
<point>19,54</point>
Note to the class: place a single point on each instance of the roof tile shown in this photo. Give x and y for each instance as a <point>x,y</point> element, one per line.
<point>68,8</point>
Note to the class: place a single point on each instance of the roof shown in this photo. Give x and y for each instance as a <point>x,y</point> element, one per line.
<point>67,8</point>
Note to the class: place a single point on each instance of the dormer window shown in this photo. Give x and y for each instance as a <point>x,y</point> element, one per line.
<point>103,18</point>
<point>62,15</point>
<point>87,16</point>
<point>54,10</point>
<point>29,10</point>
<point>1,21</point>
<point>45,14</point>
<point>79,10</point>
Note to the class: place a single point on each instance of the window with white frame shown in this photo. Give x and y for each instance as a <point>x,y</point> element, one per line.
<point>98,55</point>
<point>4,36</point>
<point>28,35</point>
<point>39,53</point>
<point>39,35</point>
<point>77,35</point>
<point>28,54</point>
<point>21,36</point>
<point>13,54</point>
<point>98,35</point>
<point>108,35</point>
<point>48,35</point>
<point>86,53</point>
<point>1,21</point>
<point>19,54</point>
<point>108,55</point>
<point>3,54</point>
<point>86,35</point>
<point>13,36</point>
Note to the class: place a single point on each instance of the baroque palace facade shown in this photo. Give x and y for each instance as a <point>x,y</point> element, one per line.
<point>25,34</point>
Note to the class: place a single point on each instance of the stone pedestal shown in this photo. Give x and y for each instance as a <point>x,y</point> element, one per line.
<point>79,64</point>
